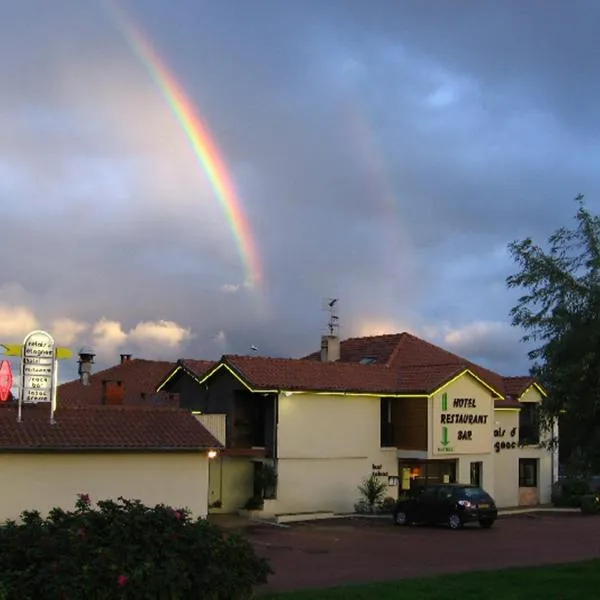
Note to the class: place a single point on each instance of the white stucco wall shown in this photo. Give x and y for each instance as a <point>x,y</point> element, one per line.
<point>507,460</point>
<point>327,444</point>
<point>231,481</point>
<point>45,481</point>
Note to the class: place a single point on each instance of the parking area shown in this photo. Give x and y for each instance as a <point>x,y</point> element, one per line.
<point>357,550</point>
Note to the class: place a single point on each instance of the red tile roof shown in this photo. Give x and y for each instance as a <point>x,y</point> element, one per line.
<point>199,368</point>
<point>103,428</point>
<point>263,373</point>
<point>421,364</point>
<point>516,386</point>
<point>139,378</point>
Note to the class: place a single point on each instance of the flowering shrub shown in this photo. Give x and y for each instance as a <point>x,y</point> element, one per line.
<point>125,550</point>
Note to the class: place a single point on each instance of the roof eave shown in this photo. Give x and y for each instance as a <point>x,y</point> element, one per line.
<point>104,450</point>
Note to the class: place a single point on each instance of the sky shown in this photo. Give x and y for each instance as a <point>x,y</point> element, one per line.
<point>383,153</point>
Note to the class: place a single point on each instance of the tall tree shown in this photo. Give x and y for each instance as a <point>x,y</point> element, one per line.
<point>560,313</point>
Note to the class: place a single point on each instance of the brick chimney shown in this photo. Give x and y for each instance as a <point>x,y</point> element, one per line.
<point>113,392</point>
<point>125,358</point>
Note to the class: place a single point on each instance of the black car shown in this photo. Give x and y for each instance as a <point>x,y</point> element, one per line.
<point>453,504</point>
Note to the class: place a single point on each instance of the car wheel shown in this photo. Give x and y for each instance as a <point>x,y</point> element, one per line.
<point>486,523</point>
<point>454,521</point>
<point>400,518</point>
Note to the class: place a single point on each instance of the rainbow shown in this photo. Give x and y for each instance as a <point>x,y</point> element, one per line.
<point>201,141</point>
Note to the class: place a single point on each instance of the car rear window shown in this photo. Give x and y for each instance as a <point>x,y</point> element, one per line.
<point>475,494</point>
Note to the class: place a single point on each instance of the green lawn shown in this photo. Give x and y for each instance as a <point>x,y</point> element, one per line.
<point>575,581</point>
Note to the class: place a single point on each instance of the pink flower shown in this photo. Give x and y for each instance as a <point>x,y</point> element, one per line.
<point>122,580</point>
<point>85,498</point>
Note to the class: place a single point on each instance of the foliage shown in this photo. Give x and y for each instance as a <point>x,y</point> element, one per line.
<point>560,313</point>
<point>567,493</point>
<point>387,505</point>
<point>362,508</point>
<point>590,505</point>
<point>574,581</point>
<point>127,550</point>
<point>372,491</point>
<point>254,503</point>
<point>266,480</point>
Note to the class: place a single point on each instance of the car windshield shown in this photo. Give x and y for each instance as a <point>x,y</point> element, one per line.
<point>475,494</point>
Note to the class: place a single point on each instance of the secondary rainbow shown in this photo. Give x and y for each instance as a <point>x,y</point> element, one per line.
<point>198,134</point>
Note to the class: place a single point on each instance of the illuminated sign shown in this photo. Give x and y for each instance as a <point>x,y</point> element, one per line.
<point>461,425</point>
<point>6,380</point>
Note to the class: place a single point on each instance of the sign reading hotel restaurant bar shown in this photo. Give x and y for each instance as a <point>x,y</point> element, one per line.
<point>38,368</point>
<point>461,425</point>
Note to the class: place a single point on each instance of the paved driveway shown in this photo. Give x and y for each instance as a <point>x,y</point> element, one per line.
<point>355,550</point>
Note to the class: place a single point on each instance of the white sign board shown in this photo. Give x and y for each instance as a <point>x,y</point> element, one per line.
<point>38,368</point>
<point>462,425</point>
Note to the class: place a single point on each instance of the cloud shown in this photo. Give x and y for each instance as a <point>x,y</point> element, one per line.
<point>164,333</point>
<point>230,288</point>
<point>66,331</point>
<point>384,157</point>
<point>491,342</point>
<point>16,322</point>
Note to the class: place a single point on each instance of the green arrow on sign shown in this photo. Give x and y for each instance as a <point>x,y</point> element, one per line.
<point>445,440</point>
<point>444,401</point>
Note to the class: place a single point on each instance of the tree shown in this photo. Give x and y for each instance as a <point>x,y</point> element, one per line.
<point>560,313</point>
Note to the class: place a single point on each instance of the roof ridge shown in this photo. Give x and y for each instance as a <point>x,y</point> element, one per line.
<point>396,350</point>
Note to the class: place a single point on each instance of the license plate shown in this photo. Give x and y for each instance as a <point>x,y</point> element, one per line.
<point>484,506</point>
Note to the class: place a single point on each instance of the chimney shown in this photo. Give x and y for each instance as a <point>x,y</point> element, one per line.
<point>330,348</point>
<point>86,360</point>
<point>125,358</point>
<point>113,392</point>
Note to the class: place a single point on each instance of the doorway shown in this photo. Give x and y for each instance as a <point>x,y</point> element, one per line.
<point>417,473</point>
<point>476,471</point>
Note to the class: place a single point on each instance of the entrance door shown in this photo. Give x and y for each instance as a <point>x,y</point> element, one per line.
<point>477,473</point>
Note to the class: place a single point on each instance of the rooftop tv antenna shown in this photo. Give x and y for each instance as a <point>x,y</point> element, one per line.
<point>333,324</point>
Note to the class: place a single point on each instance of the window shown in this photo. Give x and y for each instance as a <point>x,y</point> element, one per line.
<point>386,431</point>
<point>529,424</point>
<point>528,472</point>
<point>368,360</point>
<point>476,494</point>
<point>476,472</point>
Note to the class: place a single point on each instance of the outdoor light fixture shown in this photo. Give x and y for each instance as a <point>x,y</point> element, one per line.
<point>212,453</point>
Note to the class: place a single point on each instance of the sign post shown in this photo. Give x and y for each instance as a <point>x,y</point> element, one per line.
<point>39,369</point>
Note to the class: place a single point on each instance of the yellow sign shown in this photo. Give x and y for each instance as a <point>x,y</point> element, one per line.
<point>15,350</point>
<point>406,478</point>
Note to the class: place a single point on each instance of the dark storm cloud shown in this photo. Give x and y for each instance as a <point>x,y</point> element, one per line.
<point>385,153</point>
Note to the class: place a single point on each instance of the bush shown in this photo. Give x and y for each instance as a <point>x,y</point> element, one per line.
<point>372,491</point>
<point>567,493</point>
<point>387,505</point>
<point>127,550</point>
<point>362,508</point>
<point>590,505</point>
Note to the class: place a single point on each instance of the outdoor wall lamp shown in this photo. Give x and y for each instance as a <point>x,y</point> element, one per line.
<point>212,454</point>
